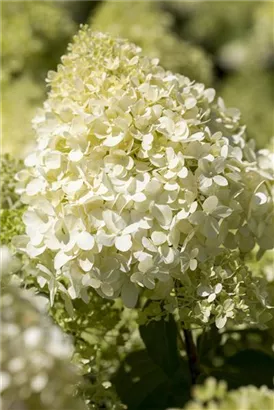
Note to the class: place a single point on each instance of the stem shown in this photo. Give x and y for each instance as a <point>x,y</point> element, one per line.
<point>191,351</point>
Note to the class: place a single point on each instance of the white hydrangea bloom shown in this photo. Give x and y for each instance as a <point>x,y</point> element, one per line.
<point>139,176</point>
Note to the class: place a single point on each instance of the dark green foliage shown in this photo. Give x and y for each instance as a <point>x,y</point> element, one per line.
<point>160,339</point>
<point>247,367</point>
<point>158,377</point>
<point>155,378</point>
<point>240,357</point>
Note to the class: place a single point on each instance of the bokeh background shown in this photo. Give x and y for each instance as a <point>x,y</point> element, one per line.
<point>225,44</point>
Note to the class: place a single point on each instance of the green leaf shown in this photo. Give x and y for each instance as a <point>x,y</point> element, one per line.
<point>214,347</point>
<point>248,367</point>
<point>142,385</point>
<point>160,339</point>
<point>255,339</point>
<point>240,357</point>
<point>157,377</point>
<point>138,378</point>
<point>207,344</point>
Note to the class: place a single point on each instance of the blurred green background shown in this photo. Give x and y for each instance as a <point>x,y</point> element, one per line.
<point>227,45</point>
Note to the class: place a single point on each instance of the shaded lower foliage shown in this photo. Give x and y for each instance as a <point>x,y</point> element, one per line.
<point>156,377</point>
<point>142,384</point>
<point>240,357</point>
<point>160,339</point>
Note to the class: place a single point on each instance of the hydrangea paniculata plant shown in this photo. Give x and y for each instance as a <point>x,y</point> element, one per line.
<point>141,179</point>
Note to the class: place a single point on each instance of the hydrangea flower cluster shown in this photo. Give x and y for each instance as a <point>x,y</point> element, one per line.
<point>35,356</point>
<point>214,395</point>
<point>146,24</point>
<point>140,177</point>
<point>222,290</point>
